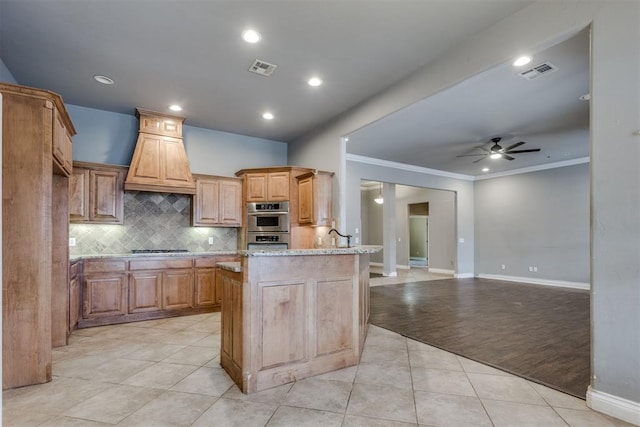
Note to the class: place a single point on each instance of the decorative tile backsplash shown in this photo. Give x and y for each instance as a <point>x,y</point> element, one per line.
<point>151,221</point>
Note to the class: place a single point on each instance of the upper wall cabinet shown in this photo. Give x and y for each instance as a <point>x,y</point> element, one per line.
<point>267,187</point>
<point>61,146</point>
<point>315,198</point>
<point>217,202</point>
<point>96,194</point>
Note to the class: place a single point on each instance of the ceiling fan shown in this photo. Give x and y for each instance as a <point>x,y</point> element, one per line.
<point>497,152</point>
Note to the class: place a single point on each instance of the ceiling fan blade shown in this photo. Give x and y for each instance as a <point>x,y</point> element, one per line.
<point>533,150</point>
<point>517,144</point>
<point>476,161</point>
<point>507,157</point>
<point>471,155</point>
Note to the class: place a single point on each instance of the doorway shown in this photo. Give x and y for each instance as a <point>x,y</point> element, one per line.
<point>418,239</point>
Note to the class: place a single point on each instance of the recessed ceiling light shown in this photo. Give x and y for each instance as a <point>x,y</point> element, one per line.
<point>485,169</point>
<point>103,79</point>
<point>251,36</point>
<point>314,81</point>
<point>267,116</point>
<point>523,60</point>
<point>175,107</point>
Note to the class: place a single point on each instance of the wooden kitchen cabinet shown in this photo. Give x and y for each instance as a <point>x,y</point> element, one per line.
<point>231,340</point>
<point>74,295</point>
<point>145,290</point>
<point>270,186</point>
<point>207,291</point>
<point>177,289</point>
<point>217,202</point>
<point>36,154</point>
<point>96,194</point>
<point>104,295</point>
<point>315,198</point>
<point>62,150</point>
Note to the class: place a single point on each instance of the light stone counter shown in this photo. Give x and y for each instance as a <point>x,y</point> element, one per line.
<point>353,250</point>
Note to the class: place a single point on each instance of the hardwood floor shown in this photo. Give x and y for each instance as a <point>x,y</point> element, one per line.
<point>537,332</point>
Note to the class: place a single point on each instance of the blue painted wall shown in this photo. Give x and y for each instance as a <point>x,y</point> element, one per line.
<point>106,137</point>
<point>5,74</point>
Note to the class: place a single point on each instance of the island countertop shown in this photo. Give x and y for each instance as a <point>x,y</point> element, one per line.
<point>353,250</point>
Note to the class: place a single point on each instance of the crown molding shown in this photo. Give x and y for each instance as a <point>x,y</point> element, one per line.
<point>419,169</point>
<point>406,167</point>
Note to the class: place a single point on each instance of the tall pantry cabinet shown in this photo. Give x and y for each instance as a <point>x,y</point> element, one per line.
<point>36,162</point>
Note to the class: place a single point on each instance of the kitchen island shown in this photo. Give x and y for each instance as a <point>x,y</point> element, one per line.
<point>291,314</point>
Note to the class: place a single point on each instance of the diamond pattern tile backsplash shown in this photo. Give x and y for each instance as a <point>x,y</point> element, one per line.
<point>151,221</point>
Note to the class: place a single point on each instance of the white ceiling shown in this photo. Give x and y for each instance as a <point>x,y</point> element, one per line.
<point>545,112</point>
<point>190,52</point>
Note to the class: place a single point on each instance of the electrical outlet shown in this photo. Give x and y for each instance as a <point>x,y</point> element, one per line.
<point>502,267</point>
<point>535,269</point>
<point>530,268</point>
<point>357,240</point>
<point>461,240</point>
<point>211,240</point>
<point>333,241</point>
<point>72,241</point>
<point>319,240</point>
<point>357,230</point>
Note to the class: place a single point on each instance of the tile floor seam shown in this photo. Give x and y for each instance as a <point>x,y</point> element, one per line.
<point>484,408</point>
<point>413,390</point>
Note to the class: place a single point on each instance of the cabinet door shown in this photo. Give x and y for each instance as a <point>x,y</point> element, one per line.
<point>305,201</point>
<point>104,295</point>
<point>205,204</point>
<point>278,186</point>
<point>61,146</point>
<point>256,187</point>
<point>74,303</point>
<point>205,292</point>
<point>144,291</point>
<point>231,337</point>
<point>106,195</point>
<point>177,289</point>
<point>230,206</point>
<point>79,195</point>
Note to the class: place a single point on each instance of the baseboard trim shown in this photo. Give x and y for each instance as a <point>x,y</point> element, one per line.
<point>464,276</point>
<point>614,406</point>
<point>533,280</point>
<point>441,271</point>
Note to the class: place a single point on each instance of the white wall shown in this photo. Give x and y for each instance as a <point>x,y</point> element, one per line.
<point>536,219</point>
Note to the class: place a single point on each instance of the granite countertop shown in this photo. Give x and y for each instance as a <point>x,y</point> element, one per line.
<point>231,266</point>
<point>151,255</point>
<point>364,249</point>
<point>354,250</point>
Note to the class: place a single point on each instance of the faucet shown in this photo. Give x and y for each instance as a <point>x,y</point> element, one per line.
<point>348,236</point>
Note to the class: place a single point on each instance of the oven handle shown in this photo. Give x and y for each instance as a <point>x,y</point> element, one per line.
<point>268,213</point>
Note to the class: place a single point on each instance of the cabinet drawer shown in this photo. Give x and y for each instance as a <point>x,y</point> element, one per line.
<point>160,264</point>
<point>104,265</point>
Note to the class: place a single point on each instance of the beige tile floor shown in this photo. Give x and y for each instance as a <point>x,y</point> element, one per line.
<point>419,274</point>
<point>166,373</point>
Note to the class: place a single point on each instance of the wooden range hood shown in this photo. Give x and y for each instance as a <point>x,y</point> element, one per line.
<point>159,160</point>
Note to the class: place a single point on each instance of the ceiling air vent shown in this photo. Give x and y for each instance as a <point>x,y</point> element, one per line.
<point>538,70</point>
<point>262,67</point>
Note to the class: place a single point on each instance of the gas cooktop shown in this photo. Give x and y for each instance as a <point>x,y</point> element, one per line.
<point>157,251</point>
